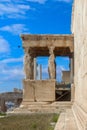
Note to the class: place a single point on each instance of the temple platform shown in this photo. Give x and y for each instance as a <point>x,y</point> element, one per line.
<point>42,107</point>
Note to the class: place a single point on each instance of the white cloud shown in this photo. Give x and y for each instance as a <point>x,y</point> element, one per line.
<point>19,8</point>
<point>9,8</point>
<point>38,1</point>
<point>4,45</point>
<point>5,0</point>
<point>67,1</point>
<point>15,29</point>
<point>12,60</point>
<point>11,72</point>
<point>45,69</point>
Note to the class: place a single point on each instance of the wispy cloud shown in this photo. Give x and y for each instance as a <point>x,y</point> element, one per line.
<point>16,8</point>
<point>4,45</point>
<point>11,72</point>
<point>12,60</point>
<point>15,29</point>
<point>67,1</point>
<point>38,1</point>
<point>5,0</point>
<point>9,8</point>
<point>19,8</point>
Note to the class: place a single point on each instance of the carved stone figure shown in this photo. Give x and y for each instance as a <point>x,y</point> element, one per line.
<point>52,64</point>
<point>28,65</point>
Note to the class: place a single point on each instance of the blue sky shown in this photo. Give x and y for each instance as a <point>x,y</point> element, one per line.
<point>33,17</point>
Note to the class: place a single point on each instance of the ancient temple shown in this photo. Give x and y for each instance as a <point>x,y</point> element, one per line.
<point>79,29</point>
<point>75,47</point>
<point>51,46</point>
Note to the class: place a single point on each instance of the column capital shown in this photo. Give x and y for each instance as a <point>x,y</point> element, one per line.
<point>26,49</point>
<point>30,51</point>
<point>51,49</point>
<point>33,54</point>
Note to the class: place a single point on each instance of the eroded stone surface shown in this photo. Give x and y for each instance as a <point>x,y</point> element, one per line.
<point>66,121</point>
<point>43,45</point>
<point>79,29</point>
<point>39,91</point>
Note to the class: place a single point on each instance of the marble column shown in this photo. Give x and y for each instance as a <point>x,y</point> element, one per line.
<point>35,69</point>
<point>72,78</point>
<point>52,64</point>
<point>71,70</point>
<point>72,92</point>
<point>39,72</point>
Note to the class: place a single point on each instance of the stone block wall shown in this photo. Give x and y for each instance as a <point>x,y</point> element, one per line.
<point>79,28</point>
<point>39,90</point>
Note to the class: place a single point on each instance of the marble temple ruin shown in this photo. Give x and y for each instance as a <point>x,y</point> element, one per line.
<point>75,47</point>
<point>44,45</point>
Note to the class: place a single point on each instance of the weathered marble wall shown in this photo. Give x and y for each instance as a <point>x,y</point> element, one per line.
<point>38,91</point>
<point>79,28</point>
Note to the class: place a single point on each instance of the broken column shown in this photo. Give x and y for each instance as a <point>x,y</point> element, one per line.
<point>52,64</point>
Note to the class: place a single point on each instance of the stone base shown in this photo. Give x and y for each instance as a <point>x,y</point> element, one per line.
<point>42,107</point>
<point>80,116</point>
<point>38,91</point>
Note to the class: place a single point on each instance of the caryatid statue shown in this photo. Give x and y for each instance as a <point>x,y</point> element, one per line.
<point>28,64</point>
<point>52,64</point>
